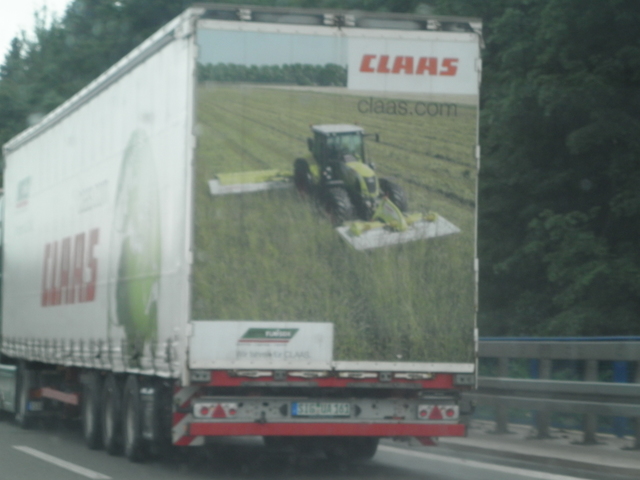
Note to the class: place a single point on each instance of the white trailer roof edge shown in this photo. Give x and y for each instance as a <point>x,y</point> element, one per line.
<point>243,9</point>
<point>176,29</point>
<point>179,27</point>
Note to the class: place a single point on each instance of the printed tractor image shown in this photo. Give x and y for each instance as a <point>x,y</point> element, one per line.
<point>346,182</point>
<point>366,210</point>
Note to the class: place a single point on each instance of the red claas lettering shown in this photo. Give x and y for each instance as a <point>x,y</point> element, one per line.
<point>70,270</point>
<point>408,65</point>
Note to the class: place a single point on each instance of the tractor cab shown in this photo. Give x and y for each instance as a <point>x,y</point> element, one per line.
<point>337,143</point>
<point>345,181</point>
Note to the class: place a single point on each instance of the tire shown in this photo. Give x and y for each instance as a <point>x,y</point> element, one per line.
<point>111,415</point>
<point>161,444</point>
<point>363,448</point>
<point>278,443</point>
<point>339,206</point>
<point>26,381</point>
<point>135,447</point>
<point>302,176</point>
<point>351,449</point>
<point>92,411</point>
<point>395,193</point>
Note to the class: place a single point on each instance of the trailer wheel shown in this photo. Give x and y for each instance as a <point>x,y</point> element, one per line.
<point>351,448</point>
<point>363,448</point>
<point>26,381</point>
<point>161,444</point>
<point>134,444</point>
<point>111,413</point>
<point>91,410</point>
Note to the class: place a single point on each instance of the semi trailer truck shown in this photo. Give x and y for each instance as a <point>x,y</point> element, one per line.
<point>166,279</point>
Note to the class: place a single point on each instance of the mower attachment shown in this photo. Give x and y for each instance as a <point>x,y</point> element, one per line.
<point>375,234</point>
<point>244,182</point>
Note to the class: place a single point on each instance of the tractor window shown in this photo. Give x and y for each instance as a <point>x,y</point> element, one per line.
<point>320,147</point>
<point>346,144</point>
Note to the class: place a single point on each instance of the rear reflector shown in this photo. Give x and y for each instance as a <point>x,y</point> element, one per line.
<point>438,412</point>
<point>215,409</point>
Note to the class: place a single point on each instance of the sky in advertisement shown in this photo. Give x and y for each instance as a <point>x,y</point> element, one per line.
<point>260,48</point>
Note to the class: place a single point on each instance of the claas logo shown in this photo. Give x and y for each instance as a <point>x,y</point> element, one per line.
<point>409,65</point>
<point>70,269</point>
<point>268,335</point>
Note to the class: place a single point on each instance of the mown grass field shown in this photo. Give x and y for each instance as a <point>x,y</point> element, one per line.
<point>272,256</point>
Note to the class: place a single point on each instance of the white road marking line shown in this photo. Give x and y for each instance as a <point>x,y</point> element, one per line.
<point>61,463</point>
<point>474,464</point>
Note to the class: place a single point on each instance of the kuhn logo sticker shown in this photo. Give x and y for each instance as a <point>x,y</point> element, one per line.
<point>268,335</point>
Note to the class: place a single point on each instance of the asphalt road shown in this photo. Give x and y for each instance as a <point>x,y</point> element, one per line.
<point>58,453</point>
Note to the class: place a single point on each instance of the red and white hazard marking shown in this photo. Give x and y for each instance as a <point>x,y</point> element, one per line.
<point>180,424</point>
<point>215,409</point>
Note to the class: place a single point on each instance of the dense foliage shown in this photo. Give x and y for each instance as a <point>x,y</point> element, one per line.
<point>62,56</point>
<point>295,74</point>
<point>560,133</point>
<point>560,181</point>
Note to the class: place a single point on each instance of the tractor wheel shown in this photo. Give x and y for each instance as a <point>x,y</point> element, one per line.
<point>338,205</point>
<point>395,193</point>
<point>302,176</point>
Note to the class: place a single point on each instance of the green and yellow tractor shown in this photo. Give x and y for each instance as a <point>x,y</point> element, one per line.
<point>367,211</point>
<point>344,180</point>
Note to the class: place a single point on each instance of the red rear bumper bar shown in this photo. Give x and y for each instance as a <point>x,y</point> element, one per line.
<point>327,429</point>
<point>64,397</point>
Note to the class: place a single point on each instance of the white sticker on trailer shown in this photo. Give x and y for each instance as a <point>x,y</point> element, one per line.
<point>410,65</point>
<point>256,344</point>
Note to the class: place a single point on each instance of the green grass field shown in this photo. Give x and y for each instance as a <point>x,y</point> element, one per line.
<point>273,256</point>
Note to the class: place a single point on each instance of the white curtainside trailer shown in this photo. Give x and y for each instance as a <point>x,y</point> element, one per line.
<point>180,261</point>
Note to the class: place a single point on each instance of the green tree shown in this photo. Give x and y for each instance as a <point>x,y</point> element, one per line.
<point>560,179</point>
<point>13,104</point>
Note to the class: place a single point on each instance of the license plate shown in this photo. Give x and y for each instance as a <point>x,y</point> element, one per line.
<point>320,409</point>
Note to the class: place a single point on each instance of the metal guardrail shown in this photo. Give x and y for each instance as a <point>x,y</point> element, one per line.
<point>589,397</point>
<point>599,350</point>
